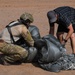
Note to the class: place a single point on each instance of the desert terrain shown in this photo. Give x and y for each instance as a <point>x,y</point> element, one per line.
<point>11,10</point>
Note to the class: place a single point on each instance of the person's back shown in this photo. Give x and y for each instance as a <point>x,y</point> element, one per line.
<point>65,14</point>
<point>17,33</point>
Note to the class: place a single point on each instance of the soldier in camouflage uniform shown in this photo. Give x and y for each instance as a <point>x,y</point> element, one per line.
<point>12,52</point>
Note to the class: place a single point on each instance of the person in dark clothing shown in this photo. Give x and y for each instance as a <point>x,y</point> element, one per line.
<point>64,16</point>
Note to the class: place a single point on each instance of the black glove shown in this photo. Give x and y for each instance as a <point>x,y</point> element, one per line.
<point>64,42</point>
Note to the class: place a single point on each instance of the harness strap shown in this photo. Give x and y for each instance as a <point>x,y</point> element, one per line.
<point>13,23</point>
<point>9,30</point>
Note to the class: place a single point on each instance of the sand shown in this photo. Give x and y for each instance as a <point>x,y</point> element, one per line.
<point>12,9</point>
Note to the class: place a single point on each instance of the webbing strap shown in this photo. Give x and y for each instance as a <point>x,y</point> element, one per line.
<point>9,29</point>
<point>11,36</point>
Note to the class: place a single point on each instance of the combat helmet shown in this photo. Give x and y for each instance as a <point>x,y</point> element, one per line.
<point>27,16</point>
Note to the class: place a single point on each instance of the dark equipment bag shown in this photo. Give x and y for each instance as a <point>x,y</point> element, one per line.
<point>51,49</point>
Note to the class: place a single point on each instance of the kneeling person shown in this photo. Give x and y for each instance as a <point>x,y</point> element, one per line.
<point>13,32</point>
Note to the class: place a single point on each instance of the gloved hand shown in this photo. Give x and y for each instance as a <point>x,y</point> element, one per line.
<point>64,42</point>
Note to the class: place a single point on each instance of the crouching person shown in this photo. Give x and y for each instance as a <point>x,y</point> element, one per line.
<point>12,33</point>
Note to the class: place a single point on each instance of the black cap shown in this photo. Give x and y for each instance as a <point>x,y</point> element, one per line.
<point>51,16</point>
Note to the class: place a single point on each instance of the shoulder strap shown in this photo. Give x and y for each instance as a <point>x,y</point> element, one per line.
<point>11,36</point>
<point>13,23</point>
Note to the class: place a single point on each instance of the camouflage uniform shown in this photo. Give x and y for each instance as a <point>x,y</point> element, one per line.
<point>13,53</point>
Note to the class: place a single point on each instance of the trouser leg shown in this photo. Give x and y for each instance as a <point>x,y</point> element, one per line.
<point>13,52</point>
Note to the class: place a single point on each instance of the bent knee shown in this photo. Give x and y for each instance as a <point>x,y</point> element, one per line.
<point>73,35</point>
<point>23,53</point>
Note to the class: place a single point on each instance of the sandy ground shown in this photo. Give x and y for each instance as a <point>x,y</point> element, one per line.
<point>11,10</point>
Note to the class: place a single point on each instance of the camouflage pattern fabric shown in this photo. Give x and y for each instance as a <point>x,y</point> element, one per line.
<point>12,52</point>
<point>26,16</point>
